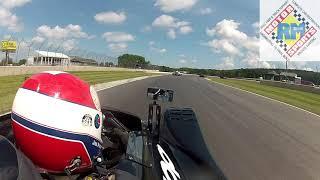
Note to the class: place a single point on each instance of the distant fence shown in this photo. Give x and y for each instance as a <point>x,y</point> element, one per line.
<point>299,87</point>
<point>19,70</point>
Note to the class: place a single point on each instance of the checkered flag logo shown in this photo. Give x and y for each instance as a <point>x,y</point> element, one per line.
<point>301,19</point>
<point>281,43</point>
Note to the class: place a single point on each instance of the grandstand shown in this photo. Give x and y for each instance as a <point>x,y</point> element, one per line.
<point>48,58</point>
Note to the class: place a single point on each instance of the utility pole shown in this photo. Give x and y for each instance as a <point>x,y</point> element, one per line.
<point>83,54</point>
<point>7,58</point>
<point>17,51</point>
<point>49,62</point>
<point>40,47</point>
<point>29,48</point>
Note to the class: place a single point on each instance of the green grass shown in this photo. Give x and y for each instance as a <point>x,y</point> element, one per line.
<point>10,84</point>
<point>304,100</point>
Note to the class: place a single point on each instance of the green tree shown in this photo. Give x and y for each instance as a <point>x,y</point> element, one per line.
<point>22,61</point>
<point>4,62</point>
<point>132,61</point>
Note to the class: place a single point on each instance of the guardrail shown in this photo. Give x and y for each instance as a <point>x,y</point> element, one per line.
<point>299,87</point>
<point>19,70</point>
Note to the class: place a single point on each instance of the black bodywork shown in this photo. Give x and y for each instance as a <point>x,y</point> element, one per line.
<point>168,146</point>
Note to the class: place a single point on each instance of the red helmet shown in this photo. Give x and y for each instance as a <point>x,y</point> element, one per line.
<point>56,118</point>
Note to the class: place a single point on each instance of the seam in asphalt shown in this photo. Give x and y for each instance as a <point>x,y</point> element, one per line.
<point>265,97</point>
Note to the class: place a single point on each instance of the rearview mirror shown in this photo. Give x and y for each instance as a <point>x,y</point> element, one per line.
<point>159,94</point>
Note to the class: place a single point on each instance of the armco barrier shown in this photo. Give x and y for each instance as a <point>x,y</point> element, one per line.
<point>18,70</point>
<point>291,86</point>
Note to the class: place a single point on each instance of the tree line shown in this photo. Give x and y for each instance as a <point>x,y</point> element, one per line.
<point>133,61</point>
<point>4,62</point>
<point>247,73</point>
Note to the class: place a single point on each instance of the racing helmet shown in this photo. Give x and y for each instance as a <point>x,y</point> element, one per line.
<point>56,120</point>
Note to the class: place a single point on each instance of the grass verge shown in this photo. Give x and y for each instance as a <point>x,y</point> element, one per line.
<point>10,84</point>
<point>304,100</point>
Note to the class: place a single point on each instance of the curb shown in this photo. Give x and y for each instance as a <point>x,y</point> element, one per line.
<point>266,98</point>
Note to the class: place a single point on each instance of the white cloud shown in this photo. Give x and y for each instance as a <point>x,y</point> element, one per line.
<point>163,50</point>
<point>205,11</point>
<point>159,50</point>
<point>165,21</point>
<point>146,29</point>
<point>91,37</point>
<point>9,4</point>
<point>256,25</point>
<point>57,32</point>
<point>110,17</point>
<point>182,61</point>
<point>303,65</point>
<point>252,44</point>
<point>156,49</point>
<point>69,44</point>
<point>118,47</point>
<point>7,36</point>
<point>173,25</point>
<point>57,36</point>
<point>182,23</point>
<point>227,63</point>
<point>252,60</point>
<point>7,18</point>
<point>223,45</point>
<point>38,39</point>
<point>186,29</point>
<point>118,37</point>
<point>175,5</point>
<point>151,43</point>
<point>10,20</point>
<point>171,34</point>
<point>227,29</point>
<point>234,44</point>
<point>118,41</point>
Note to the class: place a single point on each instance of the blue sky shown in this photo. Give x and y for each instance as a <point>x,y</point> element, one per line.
<point>178,33</point>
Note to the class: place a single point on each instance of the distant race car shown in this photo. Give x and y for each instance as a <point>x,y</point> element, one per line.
<point>169,145</point>
<point>177,73</point>
<point>201,75</point>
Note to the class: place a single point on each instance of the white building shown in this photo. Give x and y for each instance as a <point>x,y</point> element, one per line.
<point>48,58</point>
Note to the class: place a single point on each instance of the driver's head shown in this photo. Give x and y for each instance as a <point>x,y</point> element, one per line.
<point>56,117</point>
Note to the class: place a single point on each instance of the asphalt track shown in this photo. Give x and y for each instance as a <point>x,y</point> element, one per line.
<point>249,136</point>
